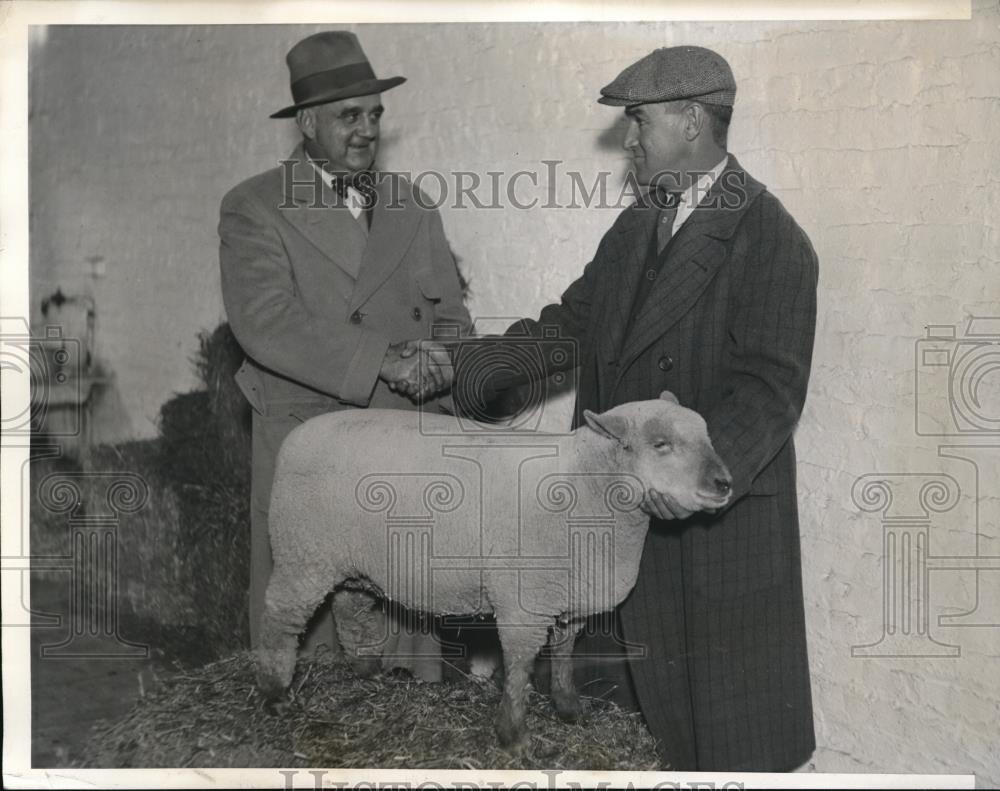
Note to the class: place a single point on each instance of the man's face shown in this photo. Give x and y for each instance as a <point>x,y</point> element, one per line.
<point>655,138</point>
<point>345,132</point>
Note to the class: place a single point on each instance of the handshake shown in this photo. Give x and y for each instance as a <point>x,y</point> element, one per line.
<point>417,369</point>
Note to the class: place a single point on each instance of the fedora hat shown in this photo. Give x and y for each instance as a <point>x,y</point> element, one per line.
<point>326,67</point>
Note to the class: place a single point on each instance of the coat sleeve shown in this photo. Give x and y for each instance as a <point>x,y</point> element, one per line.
<point>450,313</point>
<point>530,349</point>
<point>770,330</point>
<point>273,325</point>
<point>573,314</point>
<point>570,316</point>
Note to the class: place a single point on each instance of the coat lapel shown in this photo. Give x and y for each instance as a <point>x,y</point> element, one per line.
<point>331,228</point>
<point>694,258</point>
<point>629,249</point>
<point>394,222</point>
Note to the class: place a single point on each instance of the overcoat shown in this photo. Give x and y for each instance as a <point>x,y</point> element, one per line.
<point>315,298</point>
<point>727,326</point>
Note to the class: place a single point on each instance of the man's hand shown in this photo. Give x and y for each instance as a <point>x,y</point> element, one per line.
<point>663,506</point>
<point>417,369</point>
<point>437,360</point>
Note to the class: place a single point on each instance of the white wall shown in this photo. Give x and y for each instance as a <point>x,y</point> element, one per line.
<point>879,137</point>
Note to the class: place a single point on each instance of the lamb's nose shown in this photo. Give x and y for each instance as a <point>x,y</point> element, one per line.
<point>723,485</point>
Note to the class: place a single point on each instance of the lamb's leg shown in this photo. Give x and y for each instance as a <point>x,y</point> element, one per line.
<point>521,644</point>
<point>289,602</point>
<point>564,694</point>
<point>361,627</point>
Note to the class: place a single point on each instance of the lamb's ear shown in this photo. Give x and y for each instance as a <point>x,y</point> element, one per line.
<point>611,426</point>
<point>666,395</point>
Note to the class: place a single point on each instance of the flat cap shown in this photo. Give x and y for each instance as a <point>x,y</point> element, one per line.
<point>670,73</point>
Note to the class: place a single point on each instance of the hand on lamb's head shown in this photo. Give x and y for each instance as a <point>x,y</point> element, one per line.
<point>417,369</point>
<point>663,506</point>
<point>668,447</point>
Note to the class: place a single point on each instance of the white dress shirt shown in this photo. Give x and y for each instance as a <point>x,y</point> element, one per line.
<point>691,197</point>
<point>355,203</point>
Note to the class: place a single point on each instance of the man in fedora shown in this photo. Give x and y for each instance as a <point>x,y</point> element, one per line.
<point>329,277</point>
<point>705,287</point>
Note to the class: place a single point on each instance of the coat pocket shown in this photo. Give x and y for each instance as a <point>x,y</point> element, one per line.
<point>303,411</point>
<point>300,409</point>
<point>250,384</point>
<point>766,483</point>
<point>764,488</point>
<point>428,287</point>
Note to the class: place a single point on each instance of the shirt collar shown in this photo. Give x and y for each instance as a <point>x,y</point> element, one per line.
<point>699,189</point>
<point>327,177</point>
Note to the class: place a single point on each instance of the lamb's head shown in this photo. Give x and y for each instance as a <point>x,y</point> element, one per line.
<point>667,447</point>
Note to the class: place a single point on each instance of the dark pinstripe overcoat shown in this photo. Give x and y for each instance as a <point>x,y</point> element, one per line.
<point>727,327</point>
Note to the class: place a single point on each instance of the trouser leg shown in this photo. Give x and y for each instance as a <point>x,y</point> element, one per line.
<point>600,661</point>
<point>260,567</point>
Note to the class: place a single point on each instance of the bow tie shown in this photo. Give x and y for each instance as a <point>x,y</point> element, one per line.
<point>363,183</point>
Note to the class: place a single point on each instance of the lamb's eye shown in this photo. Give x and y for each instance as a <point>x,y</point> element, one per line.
<point>662,444</point>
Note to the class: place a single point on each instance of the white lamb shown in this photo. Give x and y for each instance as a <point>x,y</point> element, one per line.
<point>540,531</point>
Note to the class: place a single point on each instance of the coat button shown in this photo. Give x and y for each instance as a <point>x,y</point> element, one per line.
<point>356,317</point>
<point>417,314</point>
<point>650,274</point>
<point>665,363</point>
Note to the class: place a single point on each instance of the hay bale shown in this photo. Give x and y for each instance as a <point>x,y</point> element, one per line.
<point>204,458</point>
<point>214,717</point>
<point>182,559</point>
<point>205,434</point>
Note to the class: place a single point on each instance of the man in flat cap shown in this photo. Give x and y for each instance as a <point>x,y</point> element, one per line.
<point>706,288</point>
<point>329,277</point>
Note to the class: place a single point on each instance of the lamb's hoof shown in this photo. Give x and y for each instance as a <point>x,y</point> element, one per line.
<point>278,708</point>
<point>568,709</point>
<point>365,667</point>
<point>511,738</point>
<point>270,688</point>
<point>275,696</point>
<point>516,746</point>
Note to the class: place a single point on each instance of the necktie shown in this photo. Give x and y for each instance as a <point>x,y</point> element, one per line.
<point>665,223</point>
